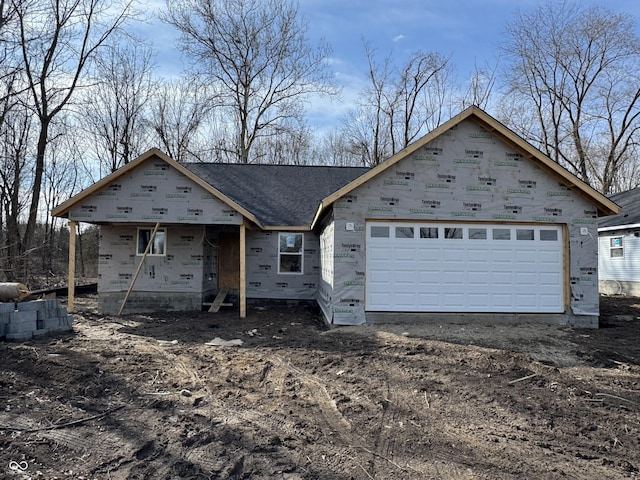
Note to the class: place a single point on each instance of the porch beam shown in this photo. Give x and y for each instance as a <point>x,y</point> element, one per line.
<point>71,281</point>
<point>243,271</point>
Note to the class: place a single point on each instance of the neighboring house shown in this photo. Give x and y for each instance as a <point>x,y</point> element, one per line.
<point>468,220</point>
<point>619,247</point>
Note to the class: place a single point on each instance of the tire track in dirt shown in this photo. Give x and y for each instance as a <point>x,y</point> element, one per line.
<point>326,403</point>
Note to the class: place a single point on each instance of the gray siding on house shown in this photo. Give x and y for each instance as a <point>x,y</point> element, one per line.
<point>619,275</point>
<point>465,174</point>
<point>263,279</point>
<point>155,192</point>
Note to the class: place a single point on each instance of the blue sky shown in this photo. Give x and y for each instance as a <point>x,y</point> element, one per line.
<point>468,30</point>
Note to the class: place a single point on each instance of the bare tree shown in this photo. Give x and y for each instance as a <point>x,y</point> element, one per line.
<point>399,105</point>
<point>480,88</point>
<point>177,118</point>
<point>57,41</point>
<point>256,54</point>
<point>290,145</point>
<point>15,131</point>
<point>334,148</point>
<point>61,179</point>
<point>118,103</point>
<point>578,68</point>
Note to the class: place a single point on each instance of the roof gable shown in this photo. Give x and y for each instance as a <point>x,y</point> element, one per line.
<point>603,205</point>
<point>102,187</point>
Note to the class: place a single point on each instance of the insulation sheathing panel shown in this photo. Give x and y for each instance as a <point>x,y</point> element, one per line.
<point>263,279</point>
<point>155,192</point>
<point>179,270</point>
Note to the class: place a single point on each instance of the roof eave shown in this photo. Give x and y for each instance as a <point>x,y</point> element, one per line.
<point>619,227</point>
<point>287,228</point>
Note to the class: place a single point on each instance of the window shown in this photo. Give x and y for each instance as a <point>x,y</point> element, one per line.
<point>524,234</point>
<point>477,233</point>
<point>379,232</point>
<point>290,253</point>
<point>158,247</point>
<point>548,235</point>
<point>452,232</point>
<point>428,232</point>
<point>501,234</point>
<point>616,250</point>
<point>404,232</point>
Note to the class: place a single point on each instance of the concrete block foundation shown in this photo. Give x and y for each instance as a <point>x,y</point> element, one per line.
<point>149,302</point>
<point>25,320</point>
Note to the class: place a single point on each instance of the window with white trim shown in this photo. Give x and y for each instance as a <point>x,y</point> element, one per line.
<point>159,245</point>
<point>290,253</point>
<point>616,248</point>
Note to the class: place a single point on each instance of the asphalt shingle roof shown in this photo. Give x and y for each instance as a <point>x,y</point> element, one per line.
<point>629,203</point>
<point>278,195</point>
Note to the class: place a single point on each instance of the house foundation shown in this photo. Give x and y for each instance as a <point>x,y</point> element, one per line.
<point>148,302</point>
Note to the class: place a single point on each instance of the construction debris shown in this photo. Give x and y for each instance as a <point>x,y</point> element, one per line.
<point>13,292</point>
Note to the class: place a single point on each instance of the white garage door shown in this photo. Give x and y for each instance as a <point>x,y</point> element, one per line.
<point>427,267</point>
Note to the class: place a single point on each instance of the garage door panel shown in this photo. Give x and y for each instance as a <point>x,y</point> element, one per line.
<point>476,254</point>
<point>526,279</point>
<point>501,278</point>
<point>455,300</point>
<point>453,278</point>
<point>549,256</point>
<point>549,279</point>
<point>475,274</point>
<point>451,256</point>
<point>526,300</point>
<point>478,301</point>
<point>502,300</point>
<point>549,301</point>
<point>427,279</point>
<point>404,254</point>
<point>424,298</point>
<point>477,278</point>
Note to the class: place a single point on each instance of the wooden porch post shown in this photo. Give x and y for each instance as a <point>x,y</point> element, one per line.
<point>71,289</point>
<point>243,272</point>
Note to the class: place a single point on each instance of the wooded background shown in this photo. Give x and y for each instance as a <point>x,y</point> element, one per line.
<point>79,98</point>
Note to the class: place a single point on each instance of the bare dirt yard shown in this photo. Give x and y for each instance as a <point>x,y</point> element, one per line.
<point>154,397</point>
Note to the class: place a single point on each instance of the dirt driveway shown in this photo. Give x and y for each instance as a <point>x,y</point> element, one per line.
<point>154,397</point>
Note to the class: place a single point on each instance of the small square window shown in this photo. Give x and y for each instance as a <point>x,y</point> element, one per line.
<point>158,246</point>
<point>549,235</point>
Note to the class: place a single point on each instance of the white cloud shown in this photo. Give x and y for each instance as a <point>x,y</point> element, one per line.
<point>398,38</point>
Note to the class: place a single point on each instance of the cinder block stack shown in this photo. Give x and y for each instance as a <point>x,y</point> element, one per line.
<point>25,320</point>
